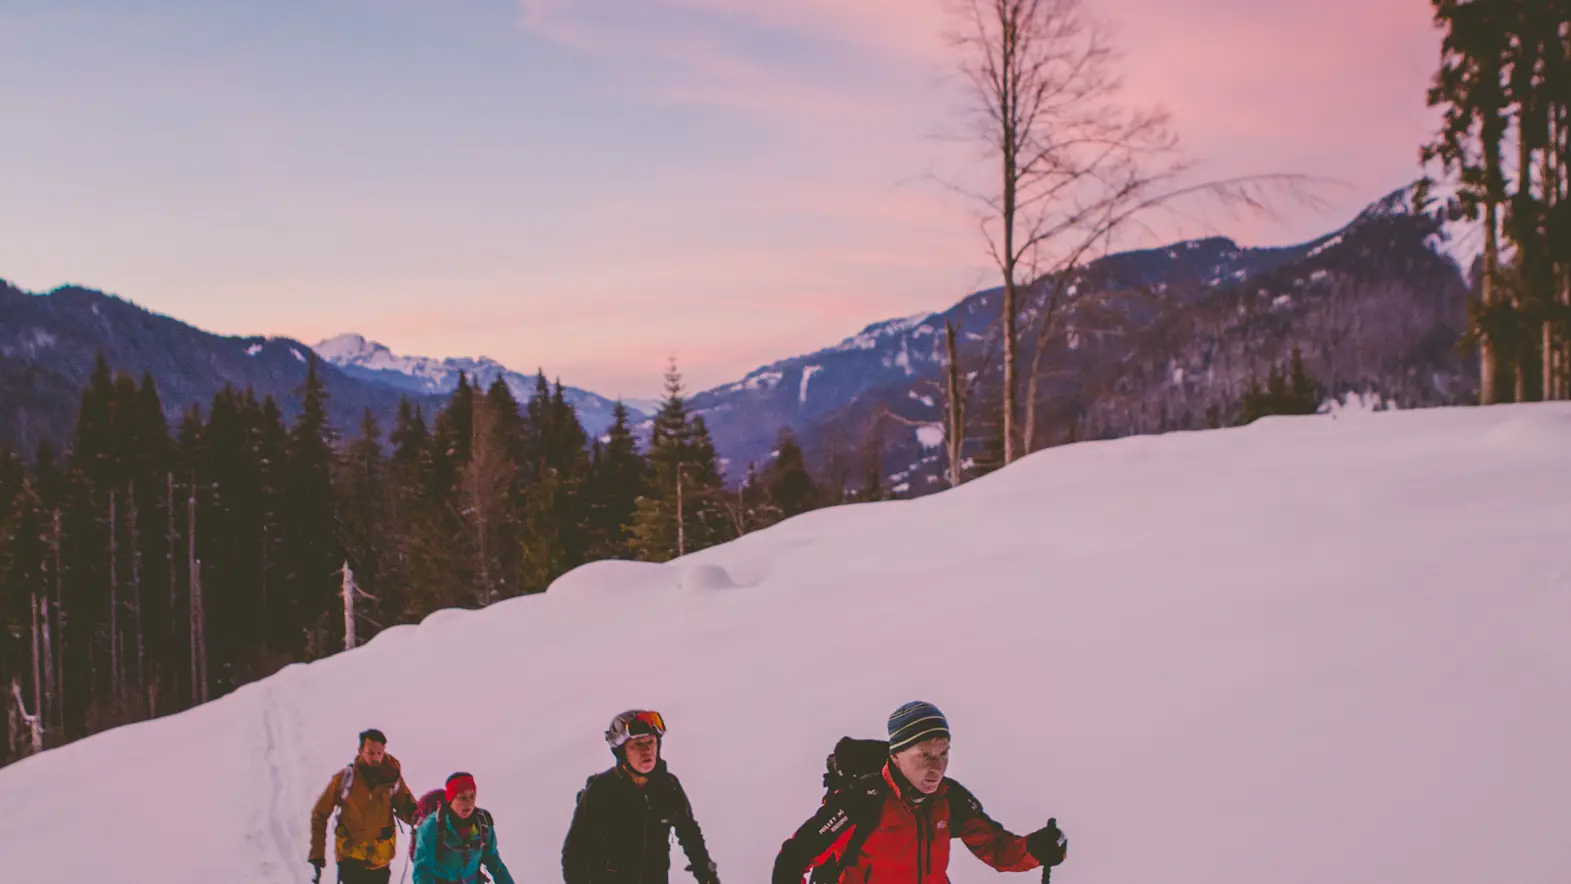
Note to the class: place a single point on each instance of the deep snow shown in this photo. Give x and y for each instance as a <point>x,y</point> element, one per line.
<point>1309,650</point>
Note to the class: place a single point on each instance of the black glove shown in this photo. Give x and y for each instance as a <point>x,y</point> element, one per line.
<point>1048,844</point>
<point>709,875</point>
<point>317,864</point>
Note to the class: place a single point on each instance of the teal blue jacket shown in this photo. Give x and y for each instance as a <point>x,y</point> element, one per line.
<point>459,860</point>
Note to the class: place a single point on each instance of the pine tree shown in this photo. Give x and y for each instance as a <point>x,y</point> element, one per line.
<point>453,434</point>
<point>538,434</point>
<point>314,554</point>
<point>93,449</point>
<point>619,476</point>
<point>557,509</point>
<point>789,486</point>
<point>990,457</point>
<point>681,512</point>
<point>1470,89</point>
<point>364,499</point>
<point>23,559</point>
<point>872,489</point>
<point>409,495</point>
<point>1288,393</point>
<point>485,502</point>
<point>271,444</point>
<point>229,514</point>
<point>149,462</point>
<point>425,554</point>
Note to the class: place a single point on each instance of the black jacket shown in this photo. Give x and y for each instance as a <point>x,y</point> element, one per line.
<point>621,834</point>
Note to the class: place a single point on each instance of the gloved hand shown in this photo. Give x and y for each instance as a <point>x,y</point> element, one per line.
<point>710,875</point>
<point>1048,844</point>
<point>317,864</point>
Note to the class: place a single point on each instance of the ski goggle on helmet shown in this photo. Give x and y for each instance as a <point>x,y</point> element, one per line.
<point>634,723</point>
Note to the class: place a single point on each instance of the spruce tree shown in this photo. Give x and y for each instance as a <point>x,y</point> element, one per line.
<point>93,449</point>
<point>453,434</point>
<point>790,487</point>
<point>229,516</point>
<point>486,497</point>
<point>271,444</point>
<point>313,551</point>
<point>872,489</point>
<point>557,509</point>
<point>364,501</point>
<point>681,513</point>
<point>619,476</point>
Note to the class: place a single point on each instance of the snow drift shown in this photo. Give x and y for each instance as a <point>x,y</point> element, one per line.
<point>1308,650</point>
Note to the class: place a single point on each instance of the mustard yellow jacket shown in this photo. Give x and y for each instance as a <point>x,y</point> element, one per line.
<point>365,829</point>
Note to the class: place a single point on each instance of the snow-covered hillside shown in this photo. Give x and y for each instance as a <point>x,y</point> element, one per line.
<point>1313,649</point>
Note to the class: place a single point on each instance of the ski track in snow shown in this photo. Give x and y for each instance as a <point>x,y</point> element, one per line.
<point>277,739</point>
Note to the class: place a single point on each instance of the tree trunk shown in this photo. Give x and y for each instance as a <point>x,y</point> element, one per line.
<point>1044,336</point>
<point>1486,350</point>
<point>954,435</point>
<point>31,722</point>
<point>681,517</point>
<point>349,607</point>
<point>1009,105</point>
<point>60,615</point>
<point>1010,309</point>
<point>197,618</point>
<point>38,678</point>
<point>136,597</point>
<point>114,614</point>
<point>168,628</point>
<point>51,685</point>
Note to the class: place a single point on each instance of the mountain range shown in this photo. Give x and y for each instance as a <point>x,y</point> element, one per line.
<point>375,363</point>
<point>1172,342</point>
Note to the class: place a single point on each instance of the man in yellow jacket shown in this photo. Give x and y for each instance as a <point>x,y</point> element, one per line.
<point>369,793</point>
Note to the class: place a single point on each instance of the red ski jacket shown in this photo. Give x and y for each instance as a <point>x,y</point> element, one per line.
<point>907,836</point>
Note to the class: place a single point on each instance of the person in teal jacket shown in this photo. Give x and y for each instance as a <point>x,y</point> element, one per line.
<point>452,844</point>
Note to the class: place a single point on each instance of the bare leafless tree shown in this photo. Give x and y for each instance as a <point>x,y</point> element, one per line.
<point>1076,164</point>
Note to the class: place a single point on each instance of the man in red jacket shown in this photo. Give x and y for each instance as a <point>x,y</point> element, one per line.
<point>897,829</point>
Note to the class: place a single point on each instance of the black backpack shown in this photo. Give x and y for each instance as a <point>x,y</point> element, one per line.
<point>854,770</point>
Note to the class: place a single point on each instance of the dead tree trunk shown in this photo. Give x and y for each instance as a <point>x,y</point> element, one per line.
<point>349,607</point>
<point>31,722</point>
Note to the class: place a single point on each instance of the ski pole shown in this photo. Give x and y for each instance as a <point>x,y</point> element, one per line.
<point>1047,870</point>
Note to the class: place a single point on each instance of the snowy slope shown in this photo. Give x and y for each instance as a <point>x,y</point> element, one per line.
<point>371,361</point>
<point>1308,650</point>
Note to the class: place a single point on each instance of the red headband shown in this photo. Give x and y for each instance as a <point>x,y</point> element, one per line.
<point>459,783</point>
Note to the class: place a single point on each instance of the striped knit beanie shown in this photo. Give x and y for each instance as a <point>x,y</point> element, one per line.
<point>913,723</point>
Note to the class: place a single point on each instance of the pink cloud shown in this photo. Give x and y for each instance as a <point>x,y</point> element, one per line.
<point>691,66</point>
<point>1333,88</point>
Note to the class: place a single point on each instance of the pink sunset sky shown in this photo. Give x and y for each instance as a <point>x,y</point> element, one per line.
<point>593,186</point>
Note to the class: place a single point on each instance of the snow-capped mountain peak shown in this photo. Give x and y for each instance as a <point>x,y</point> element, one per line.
<point>347,348</point>
<point>373,361</point>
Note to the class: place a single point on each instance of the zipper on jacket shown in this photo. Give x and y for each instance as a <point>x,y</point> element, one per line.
<point>643,850</point>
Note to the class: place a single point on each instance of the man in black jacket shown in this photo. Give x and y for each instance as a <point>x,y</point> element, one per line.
<point>622,826</point>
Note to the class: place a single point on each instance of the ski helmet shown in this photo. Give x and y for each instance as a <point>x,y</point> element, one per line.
<point>634,723</point>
